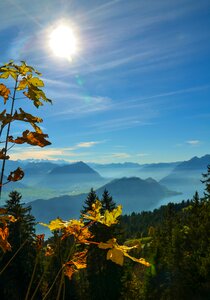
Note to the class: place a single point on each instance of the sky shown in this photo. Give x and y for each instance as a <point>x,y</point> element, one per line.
<point>137,89</point>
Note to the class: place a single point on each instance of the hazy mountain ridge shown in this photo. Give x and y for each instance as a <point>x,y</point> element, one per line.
<point>47,178</point>
<point>134,194</point>
<point>187,176</point>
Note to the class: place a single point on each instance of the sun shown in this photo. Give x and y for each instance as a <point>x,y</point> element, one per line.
<point>63,42</point>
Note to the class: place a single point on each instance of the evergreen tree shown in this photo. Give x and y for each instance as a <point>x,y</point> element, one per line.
<point>104,277</point>
<point>16,277</point>
<point>107,202</point>
<point>91,198</point>
<point>206,181</point>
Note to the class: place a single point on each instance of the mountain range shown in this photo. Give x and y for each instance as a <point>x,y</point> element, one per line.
<point>50,179</point>
<point>134,194</point>
<point>186,176</point>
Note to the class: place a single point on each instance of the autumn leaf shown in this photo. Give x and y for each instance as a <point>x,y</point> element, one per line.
<point>4,244</point>
<point>36,94</point>
<point>109,218</point>
<point>76,263</point>
<point>116,256</point>
<point>3,211</point>
<point>49,250</point>
<point>31,138</point>
<point>4,92</point>
<point>22,84</point>
<point>80,259</point>
<point>69,271</point>
<point>78,229</point>
<point>36,81</point>
<point>117,252</point>
<point>3,155</point>
<point>16,175</point>
<point>138,260</point>
<point>8,71</point>
<point>5,118</point>
<point>54,224</point>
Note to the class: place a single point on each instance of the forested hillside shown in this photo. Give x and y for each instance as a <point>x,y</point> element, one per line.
<point>174,239</point>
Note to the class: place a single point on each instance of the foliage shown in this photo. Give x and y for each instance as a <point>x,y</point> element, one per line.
<point>22,255</point>
<point>27,85</point>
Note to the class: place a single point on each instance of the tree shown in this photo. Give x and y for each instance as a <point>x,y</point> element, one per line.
<point>27,85</point>
<point>206,181</point>
<point>16,277</point>
<point>107,202</point>
<point>104,277</point>
<point>91,198</point>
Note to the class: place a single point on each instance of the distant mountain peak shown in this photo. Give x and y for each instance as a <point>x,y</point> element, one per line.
<point>75,168</point>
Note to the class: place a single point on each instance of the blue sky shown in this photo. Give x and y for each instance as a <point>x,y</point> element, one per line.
<point>138,89</point>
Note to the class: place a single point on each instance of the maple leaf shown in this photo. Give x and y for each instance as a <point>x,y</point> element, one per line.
<point>4,92</point>
<point>78,229</point>
<point>109,218</point>
<point>31,138</point>
<point>116,256</point>
<point>16,175</point>
<point>54,224</point>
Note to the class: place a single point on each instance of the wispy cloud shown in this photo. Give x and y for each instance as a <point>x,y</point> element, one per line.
<point>193,142</point>
<point>121,155</point>
<point>142,154</point>
<point>86,144</point>
<point>79,105</point>
<point>53,153</point>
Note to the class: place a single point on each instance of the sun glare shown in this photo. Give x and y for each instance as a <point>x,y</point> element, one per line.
<point>63,42</point>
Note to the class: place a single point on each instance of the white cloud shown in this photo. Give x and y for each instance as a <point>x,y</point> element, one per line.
<point>86,144</point>
<point>120,155</point>
<point>142,154</point>
<point>193,142</point>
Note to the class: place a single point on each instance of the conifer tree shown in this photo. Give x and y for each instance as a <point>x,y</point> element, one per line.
<point>91,198</point>
<point>206,181</point>
<point>104,277</point>
<point>107,201</point>
<point>16,277</point>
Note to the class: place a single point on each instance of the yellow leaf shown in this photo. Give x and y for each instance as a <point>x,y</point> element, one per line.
<point>110,217</point>
<point>36,81</point>
<point>116,256</point>
<point>107,245</point>
<point>138,260</point>
<point>22,84</point>
<point>55,224</point>
<point>69,271</point>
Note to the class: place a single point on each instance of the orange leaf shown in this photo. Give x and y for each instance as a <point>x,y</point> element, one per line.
<point>31,138</point>
<point>4,92</point>
<point>4,244</point>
